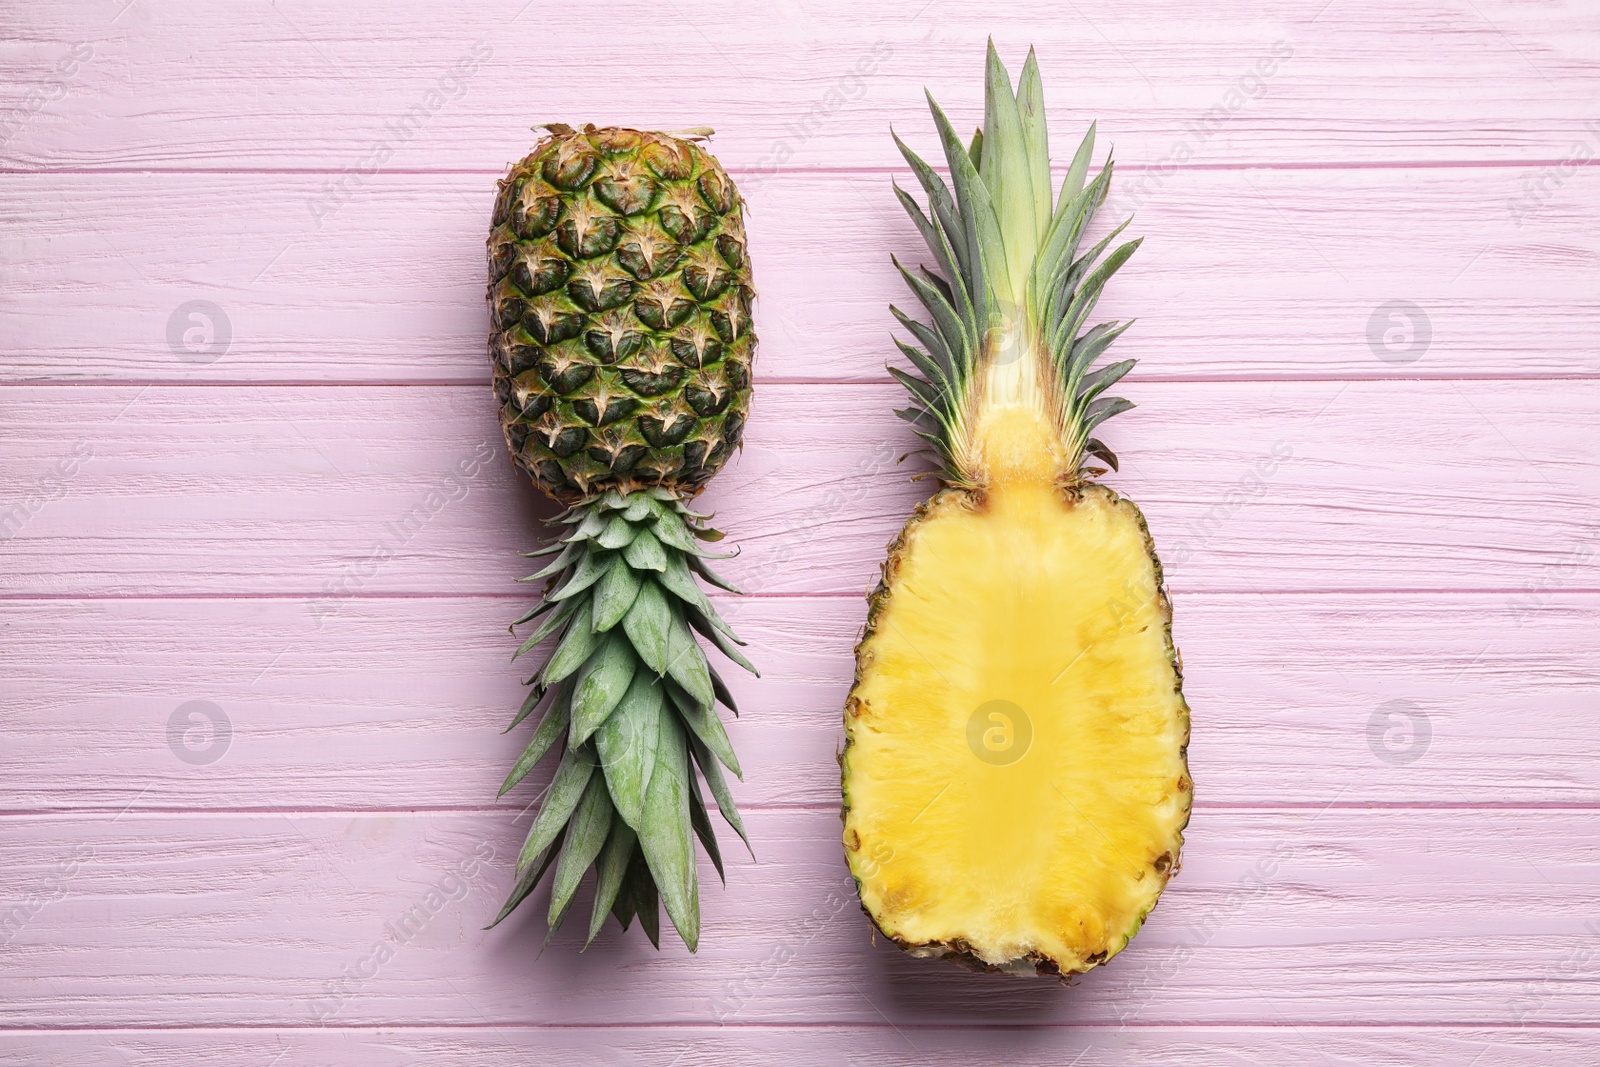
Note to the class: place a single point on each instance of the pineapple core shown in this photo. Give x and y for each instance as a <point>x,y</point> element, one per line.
<point>1015,783</point>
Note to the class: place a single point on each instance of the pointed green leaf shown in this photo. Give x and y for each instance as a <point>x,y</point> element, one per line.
<point>566,789</point>
<point>944,211</point>
<point>568,554</point>
<point>720,687</point>
<point>938,245</point>
<point>648,625</point>
<point>613,595</point>
<point>529,880</point>
<point>548,627</point>
<point>937,365</point>
<point>951,329</point>
<point>1005,167</point>
<point>539,608</point>
<point>600,686</point>
<point>551,727</point>
<point>728,648</point>
<point>609,873</point>
<point>1079,170</point>
<point>585,838</point>
<point>577,644</point>
<point>925,392</point>
<point>645,552</point>
<point>626,743</point>
<point>1098,448</point>
<point>589,525</point>
<point>702,826</point>
<point>664,833</point>
<point>1036,143</point>
<point>1067,291</point>
<point>678,581</point>
<point>704,723</point>
<point>1089,347</point>
<point>686,663</point>
<point>530,702</point>
<point>646,902</point>
<point>1099,381</point>
<point>930,371</point>
<point>703,569</point>
<point>1066,230</point>
<point>1103,409</point>
<point>1089,294</point>
<point>617,533</point>
<point>672,531</point>
<point>638,508</point>
<point>588,571</point>
<point>719,789</point>
<point>977,212</point>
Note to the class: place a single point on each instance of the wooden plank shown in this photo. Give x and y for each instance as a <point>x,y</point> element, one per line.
<point>327,493</point>
<point>1275,274</point>
<point>322,85</point>
<point>1298,918</point>
<point>705,1046</point>
<point>399,704</point>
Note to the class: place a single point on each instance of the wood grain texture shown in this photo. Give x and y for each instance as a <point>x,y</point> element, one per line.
<point>400,703</point>
<point>1384,566</point>
<point>1297,917</point>
<point>326,493</point>
<point>708,1046</point>
<point>1243,274</point>
<point>815,84</point>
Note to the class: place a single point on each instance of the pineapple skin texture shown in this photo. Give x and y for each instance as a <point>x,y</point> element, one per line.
<point>620,304</point>
<point>1045,862</point>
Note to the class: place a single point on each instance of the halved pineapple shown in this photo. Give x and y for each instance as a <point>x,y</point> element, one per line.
<point>1014,777</point>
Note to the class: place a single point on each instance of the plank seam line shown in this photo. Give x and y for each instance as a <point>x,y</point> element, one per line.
<point>818,172</point>
<point>874,383</point>
<point>1178,590</point>
<point>710,1024</point>
<point>511,808</point>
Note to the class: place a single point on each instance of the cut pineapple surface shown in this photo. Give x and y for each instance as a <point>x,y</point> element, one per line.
<point>1015,781</point>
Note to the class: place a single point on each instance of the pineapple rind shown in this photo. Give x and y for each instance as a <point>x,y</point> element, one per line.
<point>633,710</point>
<point>958,949</point>
<point>620,311</point>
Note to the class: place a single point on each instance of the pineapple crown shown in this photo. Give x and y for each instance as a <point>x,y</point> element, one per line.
<point>1011,294</point>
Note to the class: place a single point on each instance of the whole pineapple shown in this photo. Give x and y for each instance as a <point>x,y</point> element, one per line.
<point>1015,777</point>
<point>620,298</point>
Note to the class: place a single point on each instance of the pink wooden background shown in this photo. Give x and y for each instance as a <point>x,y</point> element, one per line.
<point>1371,245</point>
